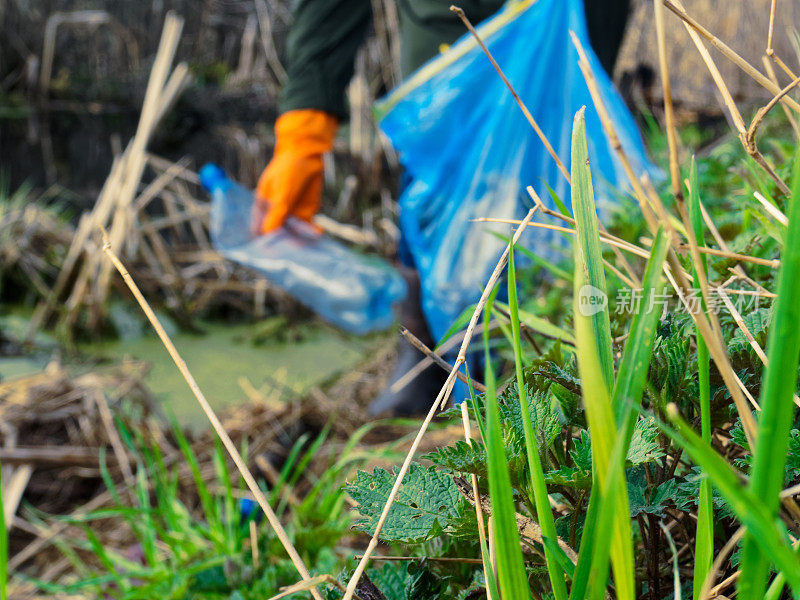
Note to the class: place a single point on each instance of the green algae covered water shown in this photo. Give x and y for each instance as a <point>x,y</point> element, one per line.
<point>232,363</point>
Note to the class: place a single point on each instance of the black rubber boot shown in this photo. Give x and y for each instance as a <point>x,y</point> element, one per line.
<point>417,395</point>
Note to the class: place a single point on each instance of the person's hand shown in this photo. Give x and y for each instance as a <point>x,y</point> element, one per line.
<point>291,185</point>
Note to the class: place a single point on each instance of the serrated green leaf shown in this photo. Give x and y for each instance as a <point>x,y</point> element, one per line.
<point>656,501</point>
<point>644,446</point>
<point>757,322</point>
<point>427,505</point>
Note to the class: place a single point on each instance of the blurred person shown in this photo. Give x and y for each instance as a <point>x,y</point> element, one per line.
<point>322,45</point>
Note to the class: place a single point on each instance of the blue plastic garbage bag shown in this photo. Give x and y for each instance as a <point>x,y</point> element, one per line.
<point>469,152</point>
<point>346,288</point>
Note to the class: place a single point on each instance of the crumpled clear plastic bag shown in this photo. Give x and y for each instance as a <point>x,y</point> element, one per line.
<point>469,152</point>
<point>346,288</point>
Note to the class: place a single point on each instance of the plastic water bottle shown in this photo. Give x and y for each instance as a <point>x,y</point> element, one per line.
<point>344,287</point>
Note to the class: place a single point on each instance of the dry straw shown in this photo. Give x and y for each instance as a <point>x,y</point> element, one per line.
<point>212,417</point>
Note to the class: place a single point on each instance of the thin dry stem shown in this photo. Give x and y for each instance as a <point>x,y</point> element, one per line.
<point>212,417</point>
<point>707,323</point>
<point>737,317</point>
<point>774,79</point>
<point>440,401</point>
<point>731,55</point>
<point>769,50</point>
<point>771,209</point>
<point>716,567</point>
<point>611,133</point>
<point>478,509</point>
<point>511,89</point>
<point>747,137</point>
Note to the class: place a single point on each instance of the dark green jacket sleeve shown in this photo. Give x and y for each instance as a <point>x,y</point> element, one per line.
<point>321,49</point>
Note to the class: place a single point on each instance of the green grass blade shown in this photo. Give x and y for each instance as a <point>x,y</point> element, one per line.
<point>491,578</point>
<point>590,279</point>
<point>761,522</point>
<point>777,408</point>
<point>543,511</point>
<point>632,375</point>
<point>511,573</point>
<point>595,364</point>
<point>582,572</point>
<point>594,551</point>
<point>704,542</point>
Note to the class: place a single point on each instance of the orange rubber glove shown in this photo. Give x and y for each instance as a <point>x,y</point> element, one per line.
<point>292,182</point>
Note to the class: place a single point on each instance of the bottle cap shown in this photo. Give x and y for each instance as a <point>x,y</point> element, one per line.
<point>212,177</point>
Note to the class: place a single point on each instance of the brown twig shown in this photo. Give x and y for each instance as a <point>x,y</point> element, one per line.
<point>212,417</point>
<point>438,360</point>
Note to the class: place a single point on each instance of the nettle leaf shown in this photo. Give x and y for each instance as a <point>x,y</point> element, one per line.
<point>544,417</point>
<point>758,323</point>
<point>644,443</point>
<point>573,477</point>
<point>462,457</point>
<point>792,457</point>
<point>390,579</point>
<point>688,491</point>
<point>656,501</point>
<point>670,360</point>
<point>581,452</point>
<point>427,505</point>
<point>422,583</point>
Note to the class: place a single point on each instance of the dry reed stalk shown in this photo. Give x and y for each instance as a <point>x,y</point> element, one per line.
<point>113,436</point>
<point>611,134</point>
<point>716,567</point>
<point>427,361</point>
<point>44,537</point>
<point>155,187</point>
<point>774,79</point>
<point>771,209</point>
<point>750,138</point>
<point>268,44</point>
<point>731,55</point>
<point>746,136</point>
<point>90,278</point>
<point>17,479</point>
<point>707,322</point>
<point>440,401</point>
<point>772,6</point>
<point>309,585</point>
<point>155,103</point>
<point>478,508</point>
<point>608,239</point>
<point>770,51</point>
<point>738,269</point>
<point>212,417</point>
<point>511,89</point>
